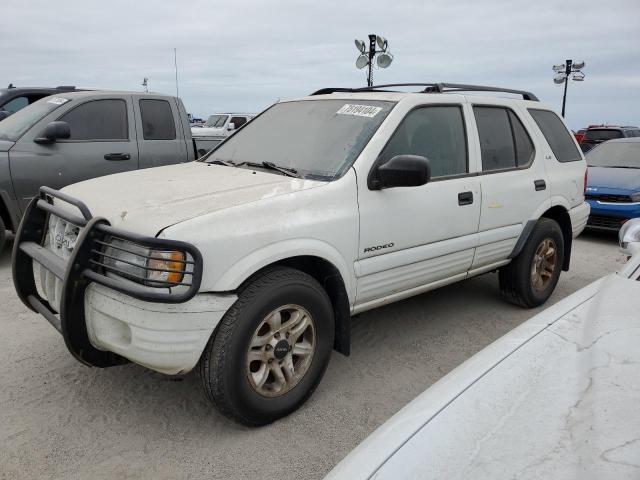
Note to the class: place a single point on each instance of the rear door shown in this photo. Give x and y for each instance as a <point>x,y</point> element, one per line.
<point>102,142</point>
<point>161,140</point>
<point>514,180</point>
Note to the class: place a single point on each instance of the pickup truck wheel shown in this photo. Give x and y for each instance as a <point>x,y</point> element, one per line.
<point>531,277</point>
<point>271,348</point>
<point>3,234</point>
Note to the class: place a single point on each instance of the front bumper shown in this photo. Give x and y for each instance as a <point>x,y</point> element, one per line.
<point>103,318</point>
<point>611,216</point>
<point>168,338</point>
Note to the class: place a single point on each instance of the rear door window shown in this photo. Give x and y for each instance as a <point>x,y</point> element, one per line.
<point>504,141</point>
<point>496,140</point>
<point>98,120</point>
<point>557,135</point>
<point>524,146</point>
<point>157,120</point>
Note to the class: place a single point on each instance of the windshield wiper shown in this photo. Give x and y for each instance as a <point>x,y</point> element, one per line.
<point>291,172</point>
<point>623,166</point>
<point>226,163</point>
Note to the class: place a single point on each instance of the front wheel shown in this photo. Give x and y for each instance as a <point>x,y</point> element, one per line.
<point>531,277</point>
<point>271,348</point>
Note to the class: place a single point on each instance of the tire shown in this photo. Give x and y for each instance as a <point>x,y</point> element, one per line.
<point>3,234</point>
<point>519,282</point>
<point>233,383</point>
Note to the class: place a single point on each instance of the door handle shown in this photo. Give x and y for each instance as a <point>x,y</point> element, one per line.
<point>465,198</point>
<point>117,156</point>
<point>540,185</point>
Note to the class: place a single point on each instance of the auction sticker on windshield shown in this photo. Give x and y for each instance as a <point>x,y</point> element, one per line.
<point>359,110</point>
<point>58,100</point>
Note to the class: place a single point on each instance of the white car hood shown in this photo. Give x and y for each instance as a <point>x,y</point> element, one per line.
<point>555,398</point>
<point>147,201</point>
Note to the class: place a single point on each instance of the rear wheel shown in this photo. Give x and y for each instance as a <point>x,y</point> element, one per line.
<point>529,280</point>
<point>271,348</point>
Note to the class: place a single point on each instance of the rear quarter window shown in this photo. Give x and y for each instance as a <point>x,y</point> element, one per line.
<point>557,135</point>
<point>157,120</point>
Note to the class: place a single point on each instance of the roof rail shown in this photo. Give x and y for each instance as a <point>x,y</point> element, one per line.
<point>432,88</point>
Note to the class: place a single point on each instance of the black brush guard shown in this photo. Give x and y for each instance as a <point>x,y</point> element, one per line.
<point>86,265</point>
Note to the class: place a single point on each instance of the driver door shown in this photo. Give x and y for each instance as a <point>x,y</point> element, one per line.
<point>102,142</point>
<point>414,236</point>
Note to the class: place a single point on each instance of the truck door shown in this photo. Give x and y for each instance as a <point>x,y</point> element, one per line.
<point>102,142</point>
<point>161,140</point>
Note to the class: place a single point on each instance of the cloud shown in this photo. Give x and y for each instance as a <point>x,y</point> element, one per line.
<point>244,55</point>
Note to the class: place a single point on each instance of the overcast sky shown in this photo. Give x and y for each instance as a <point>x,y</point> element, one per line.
<point>240,55</point>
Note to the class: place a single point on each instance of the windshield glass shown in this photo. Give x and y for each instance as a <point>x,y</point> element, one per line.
<point>13,127</point>
<point>318,138</point>
<point>615,154</point>
<point>216,121</point>
<point>603,134</point>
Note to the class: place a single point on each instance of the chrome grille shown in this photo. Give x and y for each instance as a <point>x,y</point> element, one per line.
<point>609,198</point>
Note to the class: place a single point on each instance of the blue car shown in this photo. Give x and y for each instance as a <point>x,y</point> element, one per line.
<point>613,186</point>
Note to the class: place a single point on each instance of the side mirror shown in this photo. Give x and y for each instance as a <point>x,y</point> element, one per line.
<point>54,131</point>
<point>401,171</point>
<point>231,126</point>
<point>4,114</point>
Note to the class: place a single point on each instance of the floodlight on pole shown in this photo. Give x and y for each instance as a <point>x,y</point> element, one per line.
<point>564,71</point>
<point>366,57</point>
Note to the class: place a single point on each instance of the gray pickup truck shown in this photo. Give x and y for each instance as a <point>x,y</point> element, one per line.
<point>73,136</point>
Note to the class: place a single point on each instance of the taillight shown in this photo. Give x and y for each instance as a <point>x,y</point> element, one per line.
<point>586,176</point>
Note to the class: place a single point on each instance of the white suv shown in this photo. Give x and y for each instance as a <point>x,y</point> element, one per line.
<point>249,263</point>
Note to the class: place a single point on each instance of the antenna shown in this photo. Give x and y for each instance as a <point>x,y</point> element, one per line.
<point>175,63</point>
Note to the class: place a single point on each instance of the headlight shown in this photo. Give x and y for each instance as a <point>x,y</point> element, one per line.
<point>629,233</point>
<point>166,266</point>
<point>143,265</point>
<point>635,197</point>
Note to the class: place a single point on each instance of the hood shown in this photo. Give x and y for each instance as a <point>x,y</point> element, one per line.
<point>147,201</point>
<point>615,178</point>
<point>5,145</point>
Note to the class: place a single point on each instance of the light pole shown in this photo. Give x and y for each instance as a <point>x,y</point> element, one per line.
<point>366,56</point>
<point>563,71</point>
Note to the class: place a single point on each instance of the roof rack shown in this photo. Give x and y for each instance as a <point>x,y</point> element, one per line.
<point>431,88</point>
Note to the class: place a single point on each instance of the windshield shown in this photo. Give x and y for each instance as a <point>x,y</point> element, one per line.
<point>615,154</point>
<point>216,121</point>
<point>318,138</point>
<point>602,134</point>
<point>13,127</point>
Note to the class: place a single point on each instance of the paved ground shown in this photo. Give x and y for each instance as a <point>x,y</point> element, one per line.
<point>60,419</point>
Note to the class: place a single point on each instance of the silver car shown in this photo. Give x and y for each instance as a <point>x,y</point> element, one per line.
<point>557,397</point>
